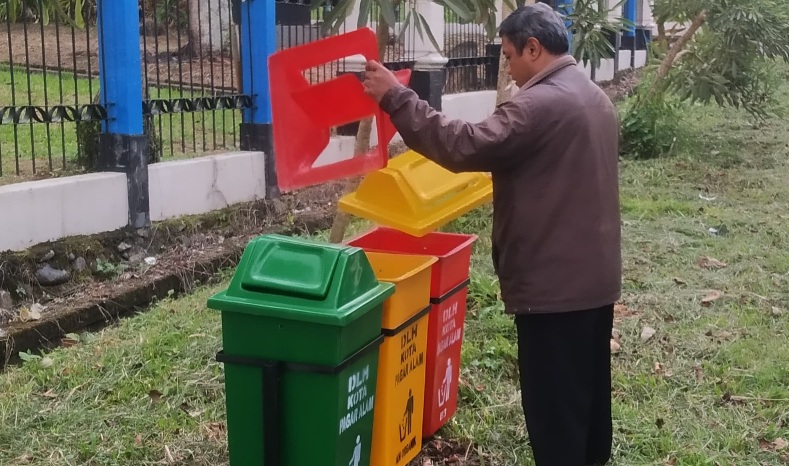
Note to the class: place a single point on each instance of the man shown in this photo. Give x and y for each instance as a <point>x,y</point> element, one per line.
<point>552,151</point>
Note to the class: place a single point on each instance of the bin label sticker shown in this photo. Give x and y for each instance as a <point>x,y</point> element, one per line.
<point>450,331</point>
<point>410,356</point>
<point>357,453</point>
<point>361,400</point>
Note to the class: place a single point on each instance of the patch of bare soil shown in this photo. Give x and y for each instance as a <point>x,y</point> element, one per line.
<point>623,85</point>
<point>448,452</point>
<point>66,286</point>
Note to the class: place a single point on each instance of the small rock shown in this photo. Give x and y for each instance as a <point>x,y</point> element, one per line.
<point>150,260</point>
<point>49,276</point>
<point>71,257</point>
<point>776,311</point>
<point>125,255</point>
<point>142,233</point>
<point>647,333</point>
<point>123,247</point>
<point>6,302</point>
<point>138,257</point>
<point>80,265</point>
<point>48,256</point>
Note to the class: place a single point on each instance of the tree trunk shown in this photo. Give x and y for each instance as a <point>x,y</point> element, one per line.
<point>671,56</point>
<point>342,219</point>
<point>661,28</point>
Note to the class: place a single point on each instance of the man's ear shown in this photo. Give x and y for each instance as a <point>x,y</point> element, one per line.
<point>532,48</point>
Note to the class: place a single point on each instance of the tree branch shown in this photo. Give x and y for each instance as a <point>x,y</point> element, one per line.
<point>673,53</point>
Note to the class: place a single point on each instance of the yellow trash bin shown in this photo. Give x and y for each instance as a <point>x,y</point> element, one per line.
<point>416,196</point>
<point>399,401</point>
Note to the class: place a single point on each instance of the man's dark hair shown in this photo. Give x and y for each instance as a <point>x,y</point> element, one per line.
<point>539,21</point>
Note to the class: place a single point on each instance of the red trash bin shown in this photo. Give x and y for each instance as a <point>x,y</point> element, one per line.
<point>448,291</point>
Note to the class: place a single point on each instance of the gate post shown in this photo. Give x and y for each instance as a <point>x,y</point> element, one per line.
<point>258,41</point>
<point>122,144</point>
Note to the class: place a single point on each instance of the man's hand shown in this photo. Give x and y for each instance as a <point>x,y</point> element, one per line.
<point>378,80</point>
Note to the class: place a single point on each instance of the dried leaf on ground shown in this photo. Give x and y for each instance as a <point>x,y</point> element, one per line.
<point>156,395</point>
<point>27,314</point>
<point>711,297</point>
<point>647,333</point>
<point>776,445</point>
<point>707,262</point>
<point>214,431</point>
<point>699,372</point>
<point>622,311</point>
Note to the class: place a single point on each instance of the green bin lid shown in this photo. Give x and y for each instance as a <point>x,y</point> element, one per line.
<point>295,279</point>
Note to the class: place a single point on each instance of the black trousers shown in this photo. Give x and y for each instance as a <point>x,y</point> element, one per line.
<point>565,375</point>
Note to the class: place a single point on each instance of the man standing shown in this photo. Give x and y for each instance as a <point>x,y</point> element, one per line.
<point>552,151</point>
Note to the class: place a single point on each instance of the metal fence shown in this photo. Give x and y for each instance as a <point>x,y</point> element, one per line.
<point>470,55</point>
<point>48,71</point>
<point>191,76</point>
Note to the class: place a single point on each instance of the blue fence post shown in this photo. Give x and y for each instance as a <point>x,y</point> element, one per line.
<point>122,144</point>
<point>258,42</point>
<point>630,15</point>
<point>565,7</point>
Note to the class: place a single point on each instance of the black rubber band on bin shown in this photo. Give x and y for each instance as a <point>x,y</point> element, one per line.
<point>272,374</point>
<point>390,333</point>
<point>451,292</point>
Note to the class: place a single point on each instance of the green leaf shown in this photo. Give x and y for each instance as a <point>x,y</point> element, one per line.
<point>25,356</point>
<point>405,27</point>
<point>458,8</point>
<point>364,13</point>
<point>387,11</point>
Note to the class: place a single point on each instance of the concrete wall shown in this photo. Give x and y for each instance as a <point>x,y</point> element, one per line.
<point>40,211</point>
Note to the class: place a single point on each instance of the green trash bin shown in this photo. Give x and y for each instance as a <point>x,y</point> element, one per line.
<point>301,330</point>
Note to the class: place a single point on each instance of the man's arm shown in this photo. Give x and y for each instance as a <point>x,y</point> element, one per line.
<point>455,144</point>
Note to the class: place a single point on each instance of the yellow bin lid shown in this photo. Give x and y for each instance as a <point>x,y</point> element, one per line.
<point>416,195</point>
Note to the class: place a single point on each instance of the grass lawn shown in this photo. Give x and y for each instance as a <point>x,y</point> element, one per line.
<point>45,149</point>
<point>706,251</point>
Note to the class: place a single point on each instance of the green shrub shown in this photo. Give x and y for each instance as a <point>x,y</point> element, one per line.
<point>650,126</point>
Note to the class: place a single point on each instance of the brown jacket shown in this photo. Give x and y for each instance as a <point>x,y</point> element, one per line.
<point>552,151</point>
